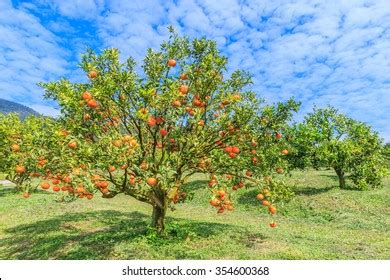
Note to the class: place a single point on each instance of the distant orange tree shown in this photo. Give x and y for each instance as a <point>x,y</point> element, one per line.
<point>326,138</point>
<point>146,135</point>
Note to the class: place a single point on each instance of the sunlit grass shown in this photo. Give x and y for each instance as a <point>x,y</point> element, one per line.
<point>321,222</point>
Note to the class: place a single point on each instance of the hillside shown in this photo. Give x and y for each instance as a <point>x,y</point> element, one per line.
<point>7,107</point>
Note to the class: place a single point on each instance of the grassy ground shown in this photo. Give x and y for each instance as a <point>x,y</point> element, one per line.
<point>322,222</point>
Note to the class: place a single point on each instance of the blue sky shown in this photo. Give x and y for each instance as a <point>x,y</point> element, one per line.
<point>320,52</point>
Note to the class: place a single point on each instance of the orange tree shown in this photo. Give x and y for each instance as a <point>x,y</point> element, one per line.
<point>24,149</point>
<point>327,138</point>
<point>146,135</point>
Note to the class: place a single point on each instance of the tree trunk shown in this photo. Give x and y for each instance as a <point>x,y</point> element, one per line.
<point>158,217</point>
<point>340,174</point>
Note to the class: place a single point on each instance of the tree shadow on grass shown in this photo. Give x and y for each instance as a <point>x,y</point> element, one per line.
<point>248,198</point>
<point>312,190</point>
<point>11,190</point>
<point>6,190</point>
<point>195,185</point>
<point>93,235</point>
<point>335,178</point>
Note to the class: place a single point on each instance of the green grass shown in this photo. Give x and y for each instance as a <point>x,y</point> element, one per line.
<point>321,222</point>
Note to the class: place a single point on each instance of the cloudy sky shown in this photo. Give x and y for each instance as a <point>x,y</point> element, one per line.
<point>321,52</point>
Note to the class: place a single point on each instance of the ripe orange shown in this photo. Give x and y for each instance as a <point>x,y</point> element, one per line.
<point>221,193</point>
<point>176,103</point>
<point>87,95</point>
<point>232,155</point>
<point>133,143</point>
<point>163,132</point>
<point>278,135</point>
<point>236,97</point>
<point>183,89</point>
<point>201,123</point>
<point>211,183</point>
<point>79,189</point>
<point>67,179</point>
<point>248,173</point>
<point>132,181</point>
<point>266,203</point>
<point>260,196</point>
<point>111,168</point>
<point>95,177</point>
<point>221,210</point>
<point>125,166</point>
<point>235,150</point>
<point>63,132</point>
<point>105,190</point>
<point>272,210</point>
<point>34,174</point>
<point>92,74</point>
<point>55,181</point>
<point>171,63</point>
<point>103,184</point>
<point>15,148</point>
<point>183,76</point>
<point>89,196</point>
<point>229,207</point>
<point>151,181</point>
<point>159,120</point>
<point>215,202</point>
<point>253,152</point>
<point>144,166</point>
<point>117,143</point>
<point>72,144</point>
<point>229,149</point>
<point>56,188</point>
<point>20,169</point>
<point>197,103</point>
<point>273,224</point>
<point>45,185</point>
<point>279,170</point>
<point>285,152</point>
<point>92,103</point>
<point>151,121</point>
<point>26,195</point>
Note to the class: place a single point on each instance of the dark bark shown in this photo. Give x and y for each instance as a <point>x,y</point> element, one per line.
<point>158,217</point>
<point>341,175</point>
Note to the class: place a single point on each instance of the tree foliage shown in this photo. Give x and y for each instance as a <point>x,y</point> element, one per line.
<point>145,134</point>
<point>327,138</point>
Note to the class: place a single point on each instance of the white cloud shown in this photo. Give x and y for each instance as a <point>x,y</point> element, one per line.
<point>29,54</point>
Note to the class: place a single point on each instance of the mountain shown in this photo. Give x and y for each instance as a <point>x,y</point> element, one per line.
<point>7,107</point>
